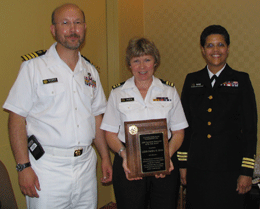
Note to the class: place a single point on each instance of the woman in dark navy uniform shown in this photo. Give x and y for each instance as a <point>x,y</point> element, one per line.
<point>220,142</point>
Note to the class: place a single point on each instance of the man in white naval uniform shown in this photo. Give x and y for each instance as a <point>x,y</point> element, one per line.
<point>58,98</point>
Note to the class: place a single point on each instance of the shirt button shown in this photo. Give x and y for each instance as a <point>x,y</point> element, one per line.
<point>209,110</point>
<point>76,108</point>
<point>210,97</point>
<point>78,126</point>
<point>209,123</point>
<point>209,136</point>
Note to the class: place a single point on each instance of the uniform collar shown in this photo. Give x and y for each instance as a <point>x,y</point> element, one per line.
<point>54,59</point>
<point>131,84</point>
<point>217,74</point>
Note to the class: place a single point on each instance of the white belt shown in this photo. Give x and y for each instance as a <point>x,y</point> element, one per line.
<point>63,152</point>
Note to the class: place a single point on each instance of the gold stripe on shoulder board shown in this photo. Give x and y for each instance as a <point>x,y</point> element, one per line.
<point>117,85</point>
<point>167,83</point>
<point>33,55</point>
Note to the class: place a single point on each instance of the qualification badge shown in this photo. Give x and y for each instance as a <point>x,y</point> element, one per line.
<point>133,130</point>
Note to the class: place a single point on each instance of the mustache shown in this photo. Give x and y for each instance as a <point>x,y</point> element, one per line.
<point>73,36</point>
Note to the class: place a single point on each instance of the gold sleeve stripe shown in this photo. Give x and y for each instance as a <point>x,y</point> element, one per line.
<point>186,153</point>
<point>248,166</point>
<point>248,159</point>
<point>248,163</point>
<point>182,156</point>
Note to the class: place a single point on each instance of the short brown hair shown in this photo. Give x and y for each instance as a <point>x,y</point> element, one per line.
<point>142,46</point>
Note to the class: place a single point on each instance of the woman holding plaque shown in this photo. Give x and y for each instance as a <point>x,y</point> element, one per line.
<point>144,97</point>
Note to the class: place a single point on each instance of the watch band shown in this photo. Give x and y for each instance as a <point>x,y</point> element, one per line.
<point>20,167</point>
<point>121,150</point>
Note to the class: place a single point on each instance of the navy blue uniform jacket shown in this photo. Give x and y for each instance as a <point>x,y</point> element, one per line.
<point>222,131</point>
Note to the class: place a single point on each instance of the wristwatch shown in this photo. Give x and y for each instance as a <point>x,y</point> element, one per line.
<point>20,167</point>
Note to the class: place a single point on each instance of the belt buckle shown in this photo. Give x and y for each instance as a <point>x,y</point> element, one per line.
<point>78,152</point>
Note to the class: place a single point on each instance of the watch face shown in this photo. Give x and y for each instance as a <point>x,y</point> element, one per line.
<point>19,167</point>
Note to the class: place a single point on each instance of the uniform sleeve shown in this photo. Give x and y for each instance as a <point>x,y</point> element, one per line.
<point>99,102</point>
<point>249,127</point>
<point>22,94</point>
<point>178,120</point>
<point>111,120</point>
<point>182,153</point>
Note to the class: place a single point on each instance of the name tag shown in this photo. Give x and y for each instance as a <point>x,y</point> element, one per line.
<point>50,80</point>
<point>131,99</point>
<point>197,85</point>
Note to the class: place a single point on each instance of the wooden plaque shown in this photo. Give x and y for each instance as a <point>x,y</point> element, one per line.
<point>147,147</point>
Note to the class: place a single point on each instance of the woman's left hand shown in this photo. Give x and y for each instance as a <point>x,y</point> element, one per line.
<point>170,170</point>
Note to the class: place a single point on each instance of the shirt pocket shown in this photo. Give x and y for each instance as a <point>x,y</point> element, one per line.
<point>228,96</point>
<point>197,99</point>
<point>161,109</point>
<point>87,96</point>
<point>50,90</point>
<point>229,90</point>
<point>131,111</point>
<point>51,98</point>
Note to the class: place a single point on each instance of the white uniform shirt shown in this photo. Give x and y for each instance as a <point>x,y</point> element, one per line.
<point>126,104</point>
<point>59,105</point>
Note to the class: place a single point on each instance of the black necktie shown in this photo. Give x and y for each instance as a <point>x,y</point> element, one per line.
<point>214,77</point>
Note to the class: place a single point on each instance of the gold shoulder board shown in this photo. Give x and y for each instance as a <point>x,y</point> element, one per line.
<point>167,83</point>
<point>33,55</point>
<point>117,85</point>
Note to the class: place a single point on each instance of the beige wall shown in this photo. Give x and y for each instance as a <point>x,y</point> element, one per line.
<point>175,27</point>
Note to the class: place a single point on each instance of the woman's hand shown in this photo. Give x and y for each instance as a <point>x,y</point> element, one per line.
<point>163,175</point>
<point>127,171</point>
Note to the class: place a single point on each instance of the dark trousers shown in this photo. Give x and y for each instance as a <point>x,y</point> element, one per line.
<point>213,190</point>
<point>157,193</point>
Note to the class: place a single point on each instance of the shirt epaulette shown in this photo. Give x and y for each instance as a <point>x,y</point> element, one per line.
<point>98,68</point>
<point>167,83</point>
<point>117,85</point>
<point>33,55</point>
<point>86,58</point>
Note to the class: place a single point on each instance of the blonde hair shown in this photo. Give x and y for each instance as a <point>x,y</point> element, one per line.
<point>142,46</point>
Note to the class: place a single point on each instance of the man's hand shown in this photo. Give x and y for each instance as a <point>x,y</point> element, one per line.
<point>244,184</point>
<point>107,171</point>
<point>29,182</point>
<point>183,173</point>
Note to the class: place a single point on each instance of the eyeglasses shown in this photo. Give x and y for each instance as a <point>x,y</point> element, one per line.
<point>67,24</point>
